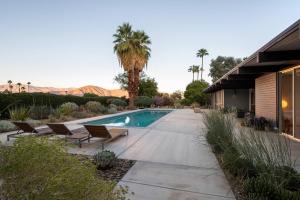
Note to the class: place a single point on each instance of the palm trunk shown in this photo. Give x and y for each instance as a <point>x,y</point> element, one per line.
<point>197,75</point>
<point>130,89</point>
<point>136,82</point>
<point>193,76</point>
<point>202,68</point>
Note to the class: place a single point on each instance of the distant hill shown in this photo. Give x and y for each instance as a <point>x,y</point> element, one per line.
<point>74,91</point>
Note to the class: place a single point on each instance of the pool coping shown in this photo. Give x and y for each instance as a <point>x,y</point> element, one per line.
<point>82,121</point>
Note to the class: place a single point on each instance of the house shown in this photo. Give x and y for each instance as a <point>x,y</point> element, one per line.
<point>266,83</point>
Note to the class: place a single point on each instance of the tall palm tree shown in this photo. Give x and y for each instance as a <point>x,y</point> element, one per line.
<point>28,84</point>
<point>133,52</point>
<point>141,45</point>
<point>19,85</point>
<point>201,53</point>
<point>194,69</point>
<point>10,85</point>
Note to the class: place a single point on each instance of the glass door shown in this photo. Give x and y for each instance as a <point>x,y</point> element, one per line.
<point>287,120</point>
<point>297,103</point>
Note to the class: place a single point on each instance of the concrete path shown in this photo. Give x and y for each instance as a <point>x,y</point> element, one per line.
<point>174,161</point>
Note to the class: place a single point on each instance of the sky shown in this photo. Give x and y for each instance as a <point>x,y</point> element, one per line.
<point>69,43</point>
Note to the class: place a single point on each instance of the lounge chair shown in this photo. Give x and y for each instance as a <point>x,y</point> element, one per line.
<point>103,132</point>
<point>25,127</point>
<point>61,129</point>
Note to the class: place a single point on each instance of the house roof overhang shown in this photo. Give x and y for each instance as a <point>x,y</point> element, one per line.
<point>281,52</point>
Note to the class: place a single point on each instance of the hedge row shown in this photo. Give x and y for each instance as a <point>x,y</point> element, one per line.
<point>51,100</point>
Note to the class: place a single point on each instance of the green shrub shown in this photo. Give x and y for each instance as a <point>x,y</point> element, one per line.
<point>19,114</point>
<point>112,109</point>
<point>266,150</point>
<point>80,114</point>
<point>95,107</point>
<point>38,168</point>
<point>40,112</point>
<point>237,165</point>
<point>264,187</point>
<point>40,99</point>
<point>68,108</point>
<point>219,130</point>
<point>144,101</point>
<point>119,102</point>
<point>6,126</point>
<point>105,159</point>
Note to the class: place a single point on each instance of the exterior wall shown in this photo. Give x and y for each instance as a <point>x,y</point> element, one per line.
<point>266,96</point>
<point>238,98</point>
<point>219,99</point>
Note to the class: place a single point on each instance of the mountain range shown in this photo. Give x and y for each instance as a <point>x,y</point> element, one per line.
<point>73,91</point>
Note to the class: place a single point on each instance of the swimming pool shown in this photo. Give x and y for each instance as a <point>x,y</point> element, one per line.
<point>141,118</point>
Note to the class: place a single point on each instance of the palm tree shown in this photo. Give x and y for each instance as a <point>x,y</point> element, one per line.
<point>133,52</point>
<point>23,89</point>
<point>28,83</point>
<point>10,85</point>
<point>201,53</point>
<point>194,69</point>
<point>19,85</point>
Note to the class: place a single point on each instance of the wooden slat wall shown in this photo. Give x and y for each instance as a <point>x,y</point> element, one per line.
<point>265,96</point>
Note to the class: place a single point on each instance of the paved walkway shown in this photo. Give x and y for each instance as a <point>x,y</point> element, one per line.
<point>174,160</point>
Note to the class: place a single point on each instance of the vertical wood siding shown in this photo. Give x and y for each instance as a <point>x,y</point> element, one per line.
<point>265,96</point>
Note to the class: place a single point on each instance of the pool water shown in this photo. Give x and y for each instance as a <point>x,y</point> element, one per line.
<point>141,118</point>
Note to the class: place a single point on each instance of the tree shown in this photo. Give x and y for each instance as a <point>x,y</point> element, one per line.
<point>19,85</point>
<point>194,93</point>
<point>194,69</point>
<point>201,53</point>
<point>28,83</point>
<point>10,85</point>
<point>177,95</point>
<point>147,86</point>
<point>133,52</point>
<point>221,65</point>
<point>23,89</point>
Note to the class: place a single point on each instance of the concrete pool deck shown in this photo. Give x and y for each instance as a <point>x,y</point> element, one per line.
<point>174,160</point>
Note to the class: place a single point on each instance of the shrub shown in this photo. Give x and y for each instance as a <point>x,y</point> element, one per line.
<point>19,113</point>
<point>38,168</point>
<point>95,107</point>
<point>40,112</point>
<point>219,130</point>
<point>40,99</point>
<point>112,109</point>
<point>6,126</point>
<point>68,108</point>
<point>264,188</point>
<point>105,159</point>
<point>266,150</point>
<point>119,102</point>
<point>143,101</point>
<point>80,115</point>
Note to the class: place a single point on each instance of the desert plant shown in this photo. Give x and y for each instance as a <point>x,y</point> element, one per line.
<point>38,168</point>
<point>112,109</point>
<point>105,159</point>
<point>19,113</point>
<point>264,187</point>
<point>68,108</point>
<point>6,126</point>
<point>40,112</point>
<point>95,107</point>
<point>266,150</point>
<point>219,130</point>
<point>119,102</point>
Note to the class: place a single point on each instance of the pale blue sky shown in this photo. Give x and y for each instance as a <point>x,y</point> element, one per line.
<point>68,43</point>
